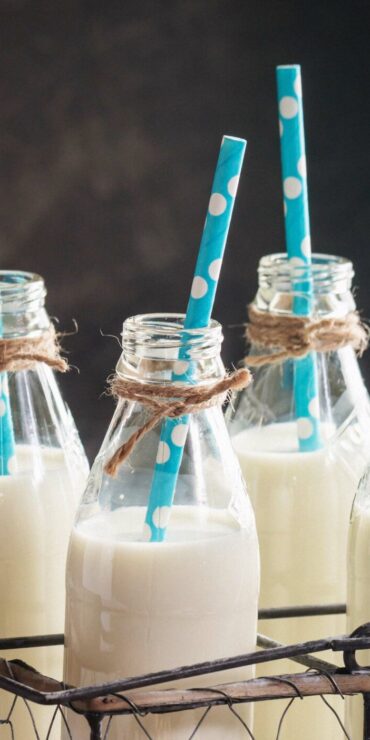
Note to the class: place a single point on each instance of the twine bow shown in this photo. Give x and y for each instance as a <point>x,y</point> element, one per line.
<point>168,401</point>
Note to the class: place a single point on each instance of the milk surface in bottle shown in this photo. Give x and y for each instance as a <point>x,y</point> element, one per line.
<point>302,500</point>
<point>133,605</point>
<point>358,599</point>
<point>40,486</point>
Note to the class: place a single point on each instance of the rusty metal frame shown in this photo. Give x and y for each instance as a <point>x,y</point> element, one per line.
<point>123,697</point>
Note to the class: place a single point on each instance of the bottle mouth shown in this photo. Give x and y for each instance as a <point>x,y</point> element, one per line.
<point>166,332</point>
<point>159,347</point>
<point>327,272</point>
<point>19,290</point>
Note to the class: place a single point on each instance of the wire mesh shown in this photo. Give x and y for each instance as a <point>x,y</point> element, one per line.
<point>103,708</point>
<point>95,727</point>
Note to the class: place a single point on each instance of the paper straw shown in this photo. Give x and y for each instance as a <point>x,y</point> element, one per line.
<point>298,242</point>
<point>198,314</point>
<point>7,445</point>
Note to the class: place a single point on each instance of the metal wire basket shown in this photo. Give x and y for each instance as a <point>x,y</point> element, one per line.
<point>99,704</point>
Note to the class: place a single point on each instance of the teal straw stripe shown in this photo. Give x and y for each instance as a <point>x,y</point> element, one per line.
<point>7,445</point>
<point>298,241</point>
<point>198,314</point>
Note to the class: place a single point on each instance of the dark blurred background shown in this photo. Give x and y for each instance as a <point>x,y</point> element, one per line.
<point>111,118</point>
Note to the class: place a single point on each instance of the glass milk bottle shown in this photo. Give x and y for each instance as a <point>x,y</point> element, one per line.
<point>302,500</point>
<point>358,596</point>
<point>43,471</point>
<point>134,605</point>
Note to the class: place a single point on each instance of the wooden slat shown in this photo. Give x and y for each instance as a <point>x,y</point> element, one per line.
<point>259,689</point>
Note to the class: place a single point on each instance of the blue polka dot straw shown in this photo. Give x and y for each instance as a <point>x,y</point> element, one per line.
<point>7,446</point>
<point>298,241</point>
<point>198,314</point>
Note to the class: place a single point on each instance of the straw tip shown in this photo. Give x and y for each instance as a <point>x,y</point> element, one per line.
<point>295,67</point>
<point>234,139</point>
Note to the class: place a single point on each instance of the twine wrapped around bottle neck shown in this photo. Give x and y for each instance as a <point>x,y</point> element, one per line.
<point>296,336</point>
<point>23,353</point>
<point>169,401</point>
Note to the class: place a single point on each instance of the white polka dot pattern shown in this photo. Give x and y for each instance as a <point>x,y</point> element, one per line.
<point>178,434</point>
<point>297,262</point>
<point>306,247</point>
<point>181,367</point>
<point>174,431</point>
<point>298,85</point>
<point>288,107</point>
<point>163,454</point>
<point>161,516</point>
<point>199,287</point>
<point>297,230</point>
<point>215,269</point>
<point>314,407</point>
<point>217,204</point>
<point>232,186</point>
<point>305,428</point>
<point>302,166</point>
<point>292,187</point>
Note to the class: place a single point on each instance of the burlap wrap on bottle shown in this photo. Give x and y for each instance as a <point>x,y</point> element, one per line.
<point>169,401</point>
<point>296,336</point>
<point>23,353</point>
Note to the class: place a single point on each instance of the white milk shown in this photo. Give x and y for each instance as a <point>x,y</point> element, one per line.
<point>36,515</point>
<point>302,502</point>
<point>135,607</point>
<point>358,602</point>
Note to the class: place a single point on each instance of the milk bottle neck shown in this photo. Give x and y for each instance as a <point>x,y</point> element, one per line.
<point>22,299</point>
<point>329,279</point>
<point>157,348</point>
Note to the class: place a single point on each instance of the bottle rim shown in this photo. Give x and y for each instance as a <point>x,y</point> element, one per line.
<point>325,271</point>
<point>19,286</point>
<point>167,330</point>
<point>160,343</point>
